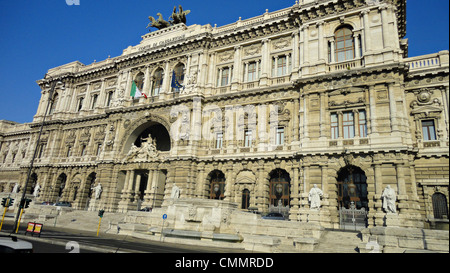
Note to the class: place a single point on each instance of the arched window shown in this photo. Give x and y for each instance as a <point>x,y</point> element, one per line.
<point>217,189</point>
<point>352,187</point>
<point>279,188</point>
<point>139,80</point>
<point>157,81</point>
<point>440,209</point>
<point>345,49</point>
<point>178,78</point>
<point>245,199</point>
<point>61,184</point>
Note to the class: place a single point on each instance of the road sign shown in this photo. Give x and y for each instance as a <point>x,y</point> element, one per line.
<point>30,227</point>
<point>164,216</point>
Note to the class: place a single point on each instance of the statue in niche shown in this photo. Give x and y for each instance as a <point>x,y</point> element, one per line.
<point>389,198</point>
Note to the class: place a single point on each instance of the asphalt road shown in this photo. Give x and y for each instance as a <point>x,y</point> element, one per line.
<point>54,240</point>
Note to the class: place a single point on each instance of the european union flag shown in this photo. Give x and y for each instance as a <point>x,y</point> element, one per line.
<point>175,83</point>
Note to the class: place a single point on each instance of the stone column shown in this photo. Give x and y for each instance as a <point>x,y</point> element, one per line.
<point>321,39</point>
<point>367,41</point>
<point>237,69</point>
<point>265,62</point>
<point>393,108</point>
<point>295,53</point>
<point>385,26</point>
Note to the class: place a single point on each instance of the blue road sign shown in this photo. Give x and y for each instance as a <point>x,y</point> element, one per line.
<point>165,216</point>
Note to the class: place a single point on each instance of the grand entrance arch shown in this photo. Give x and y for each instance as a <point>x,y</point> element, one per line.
<point>155,130</point>
<point>142,177</point>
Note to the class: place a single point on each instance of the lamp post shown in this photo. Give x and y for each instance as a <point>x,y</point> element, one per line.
<point>49,103</point>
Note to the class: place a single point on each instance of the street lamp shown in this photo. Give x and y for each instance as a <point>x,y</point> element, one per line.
<point>49,103</point>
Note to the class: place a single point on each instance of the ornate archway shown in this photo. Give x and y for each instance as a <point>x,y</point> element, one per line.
<point>352,187</point>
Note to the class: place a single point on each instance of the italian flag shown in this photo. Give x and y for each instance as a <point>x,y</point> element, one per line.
<point>135,92</point>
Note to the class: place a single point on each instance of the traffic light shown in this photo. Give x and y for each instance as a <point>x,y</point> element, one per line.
<point>4,202</point>
<point>100,213</point>
<point>25,203</point>
<point>11,202</point>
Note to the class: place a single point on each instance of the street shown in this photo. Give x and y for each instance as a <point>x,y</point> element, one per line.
<point>54,240</point>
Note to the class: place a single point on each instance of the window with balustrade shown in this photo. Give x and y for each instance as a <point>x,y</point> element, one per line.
<point>348,124</point>
<point>224,75</point>
<point>345,48</point>
<point>280,65</point>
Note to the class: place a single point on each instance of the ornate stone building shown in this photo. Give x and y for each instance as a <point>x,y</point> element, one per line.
<point>256,112</point>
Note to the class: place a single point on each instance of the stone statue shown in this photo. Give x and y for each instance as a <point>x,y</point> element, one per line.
<point>36,190</point>
<point>159,24</point>
<point>98,190</point>
<point>16,188</point>
<point>175,192</point>
<point>389,199</point>
<point>314,197</point>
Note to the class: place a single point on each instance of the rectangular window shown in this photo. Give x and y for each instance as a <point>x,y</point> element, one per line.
<point>219,140</point>
<point>248,138</point>
<point>99,149</point>
<point>279,138</point>
<point>41,150</point>
<point>348,125</point>
<point>83,150</point>
<point>94,101</point>
<point>279,66</point>
<point>109,99</point>
<point>80,104</point>
<point>251,74</point>
<point>334,126</point>
<point>282,66</point>
<point>225,76</point>
<point>428,130</point>
<point>362,123</point>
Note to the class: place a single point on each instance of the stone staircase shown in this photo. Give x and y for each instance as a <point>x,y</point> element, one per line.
<point>333,241</point>
<point>82,220</point>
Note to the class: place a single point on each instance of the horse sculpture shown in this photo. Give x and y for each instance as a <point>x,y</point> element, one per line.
<point>159,24</point>
<point>175,18</point>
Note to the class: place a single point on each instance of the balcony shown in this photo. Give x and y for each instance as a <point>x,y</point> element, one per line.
<point>429,61</point>
<point>347,65</point>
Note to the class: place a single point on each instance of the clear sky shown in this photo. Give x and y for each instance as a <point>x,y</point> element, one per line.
<point>41,34</point>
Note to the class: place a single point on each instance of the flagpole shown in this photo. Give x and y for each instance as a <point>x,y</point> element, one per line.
<point>50,99</point>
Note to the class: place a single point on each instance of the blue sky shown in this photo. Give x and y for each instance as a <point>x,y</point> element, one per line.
<point>41,34</point>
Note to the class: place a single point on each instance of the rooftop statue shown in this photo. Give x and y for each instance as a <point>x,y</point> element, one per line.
<point>180,16</point>
<point>159,24</point>
<point>175,18</point>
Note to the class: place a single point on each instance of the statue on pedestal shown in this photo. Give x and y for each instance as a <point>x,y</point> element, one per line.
<point>98,190</point>
<point>175,192</point>
<point>314,197</point>
<point>389,198</point>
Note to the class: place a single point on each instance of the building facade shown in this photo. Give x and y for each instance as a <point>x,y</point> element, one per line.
<point>256,112</point>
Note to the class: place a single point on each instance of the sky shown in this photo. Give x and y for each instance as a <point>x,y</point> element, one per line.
<point>42,34</point>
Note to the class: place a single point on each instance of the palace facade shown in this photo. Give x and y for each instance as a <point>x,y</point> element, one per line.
<point>256,112</point>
